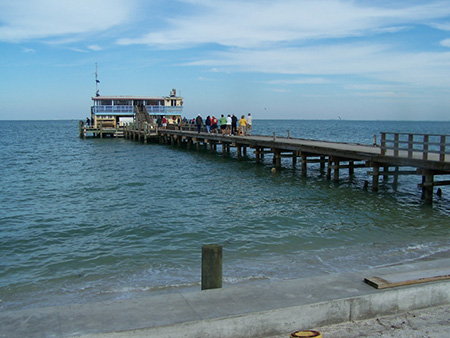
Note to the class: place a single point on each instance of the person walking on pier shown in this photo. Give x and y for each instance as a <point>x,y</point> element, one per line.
<point>199,122</point>
<point>234,124</point>
<point>223,124</point>
<point>242,125</point>
<point>208,124</point>
<point>229,124</point>
<point>249,124</point>
<point>214,124</point>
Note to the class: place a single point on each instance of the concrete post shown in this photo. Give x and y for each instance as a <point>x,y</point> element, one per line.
<point>211,266</point>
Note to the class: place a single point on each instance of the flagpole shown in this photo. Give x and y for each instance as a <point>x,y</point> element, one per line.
<point>96,80</point>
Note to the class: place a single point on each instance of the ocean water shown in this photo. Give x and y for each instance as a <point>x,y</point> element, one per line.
<point>96,219</point>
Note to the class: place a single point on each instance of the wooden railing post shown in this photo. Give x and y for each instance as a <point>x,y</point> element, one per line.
<point>396,144</point>
<point>410,145</point>
<point>383,143</point>
<point>425,147</point>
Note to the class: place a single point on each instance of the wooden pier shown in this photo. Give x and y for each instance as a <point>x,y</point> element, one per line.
<point>397,154</point>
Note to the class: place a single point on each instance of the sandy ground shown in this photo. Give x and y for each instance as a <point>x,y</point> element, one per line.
<point>426,323</point>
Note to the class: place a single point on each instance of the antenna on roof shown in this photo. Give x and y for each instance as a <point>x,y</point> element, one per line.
<point>96,81</point>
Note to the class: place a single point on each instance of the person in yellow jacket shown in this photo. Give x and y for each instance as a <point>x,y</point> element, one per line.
<point>242,125</point>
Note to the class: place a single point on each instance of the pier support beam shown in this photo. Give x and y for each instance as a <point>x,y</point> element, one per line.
<point>330,162</point>
<point>258,154</point>
<point>375,176</point>
<point>396,177</point>
<point>385,172</point>
<point>277,158</point>
<point>333,164</point>
<point>304,165</point>
<point>427,186</point>
<point>322,163</point>
<point>336,170</point>
<point>351,168</point>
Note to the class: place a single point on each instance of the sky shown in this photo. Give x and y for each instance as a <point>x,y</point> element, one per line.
<point>285,59</point>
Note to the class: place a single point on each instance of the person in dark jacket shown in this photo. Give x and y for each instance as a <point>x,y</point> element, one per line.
<point>199,122</point>
<point>208,124</point>
<point>234,121</point>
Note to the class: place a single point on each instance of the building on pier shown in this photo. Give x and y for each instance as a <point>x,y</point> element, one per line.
<point>115,111</point>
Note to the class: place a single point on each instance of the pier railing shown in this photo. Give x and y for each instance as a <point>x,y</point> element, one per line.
<point>113,109</point>
<point>164,110</point>
<point>151,109</point>
<point>411,145</point>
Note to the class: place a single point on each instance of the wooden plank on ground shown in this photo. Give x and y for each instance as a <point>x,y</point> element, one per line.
<point>408,278</point>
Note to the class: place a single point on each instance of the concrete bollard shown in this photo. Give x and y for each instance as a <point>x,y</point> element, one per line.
<point>211,266</point>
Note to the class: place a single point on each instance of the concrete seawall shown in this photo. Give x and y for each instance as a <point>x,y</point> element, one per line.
<point>250,310</point>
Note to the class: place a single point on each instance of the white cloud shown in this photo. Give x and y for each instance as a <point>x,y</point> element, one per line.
<point>444,26</point>
<point>29,50</point>
<point>374,61</point>
<point>23,20</point>
<point>392,94</point>
<point>280,90</point>
<point>445,43</point>
<point>309,80</point>
<point>95,48</point>
<point>250,24</point>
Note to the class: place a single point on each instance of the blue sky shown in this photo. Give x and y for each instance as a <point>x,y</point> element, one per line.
<point>286,59</point>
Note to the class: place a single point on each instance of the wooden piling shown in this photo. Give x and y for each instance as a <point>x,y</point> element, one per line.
<point>336,170</point>
<point>375,176</point>
<point>257,155</point>
<point>277,158</point>
<point>427,186</point>
<point>304,165</point>
<point>211,266</point>
<point>322,163</point>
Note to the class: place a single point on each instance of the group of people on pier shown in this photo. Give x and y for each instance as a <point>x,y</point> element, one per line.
<point>228,125</point>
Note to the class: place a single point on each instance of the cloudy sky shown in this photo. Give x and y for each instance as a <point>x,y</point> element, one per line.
<point>285,59</point>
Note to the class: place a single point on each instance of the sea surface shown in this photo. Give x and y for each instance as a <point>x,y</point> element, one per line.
<point>85,220</point>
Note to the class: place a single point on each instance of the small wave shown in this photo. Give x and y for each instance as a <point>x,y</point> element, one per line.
<point>236,280</point>
<point>127,290</point>
<point>135,184</point>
